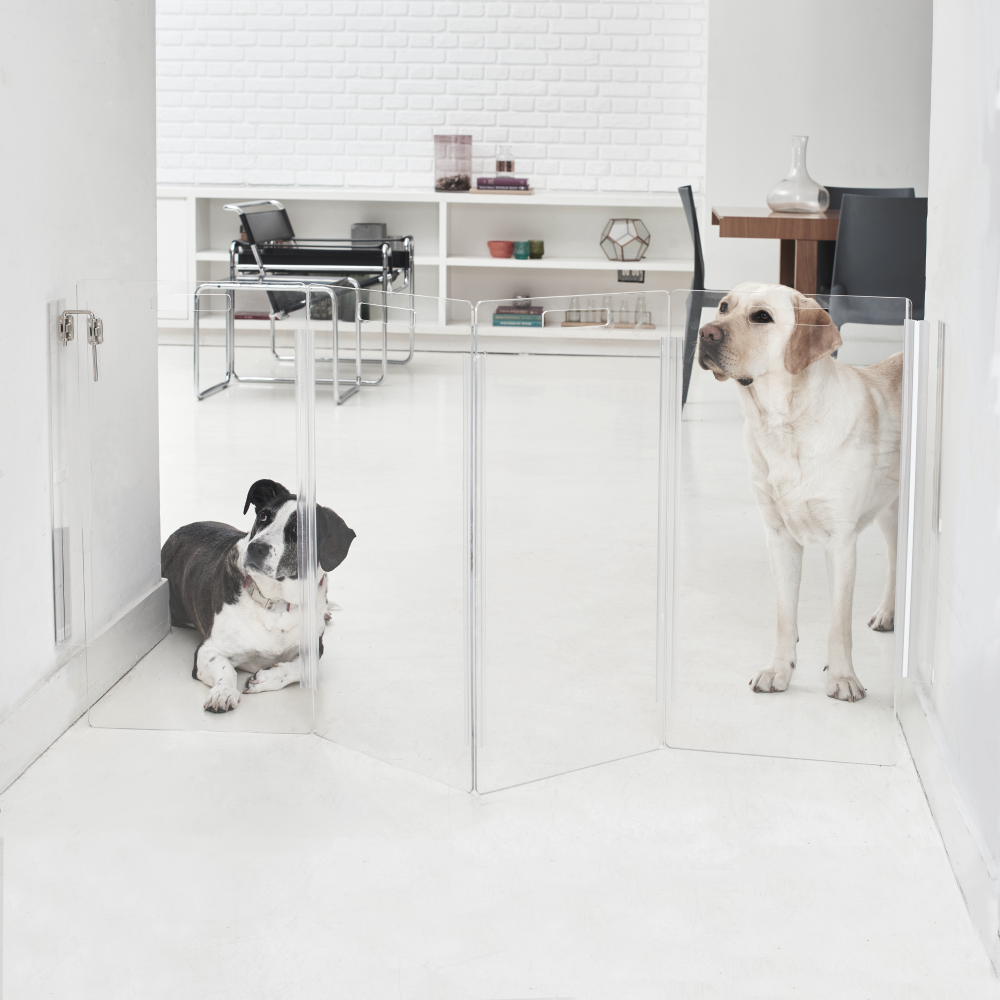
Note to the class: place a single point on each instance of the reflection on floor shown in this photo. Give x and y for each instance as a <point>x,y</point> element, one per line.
<point>176,864</point>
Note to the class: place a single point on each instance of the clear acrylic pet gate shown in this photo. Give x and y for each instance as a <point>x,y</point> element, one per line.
<point>507,609</point>
<point>209,456</point>
<point>568,537</point>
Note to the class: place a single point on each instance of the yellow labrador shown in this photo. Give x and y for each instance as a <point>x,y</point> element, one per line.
<point>823,443</point>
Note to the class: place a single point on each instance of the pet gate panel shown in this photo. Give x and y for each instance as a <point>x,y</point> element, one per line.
<point>732,685</point>
<point>210,454</point>
<point>394,679</point>
<point>70,371</point>
<point>568,535</point>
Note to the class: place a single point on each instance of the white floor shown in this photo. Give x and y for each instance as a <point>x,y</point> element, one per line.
<point>228,861</point>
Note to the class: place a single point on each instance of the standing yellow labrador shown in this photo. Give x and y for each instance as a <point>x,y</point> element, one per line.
<point>823,443</point>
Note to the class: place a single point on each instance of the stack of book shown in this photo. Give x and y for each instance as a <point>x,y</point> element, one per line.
<point>517,316</point>
<point>503,185</point>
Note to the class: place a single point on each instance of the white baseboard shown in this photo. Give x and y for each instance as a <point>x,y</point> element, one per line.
<point>967,853</point>
<point>45,713</point>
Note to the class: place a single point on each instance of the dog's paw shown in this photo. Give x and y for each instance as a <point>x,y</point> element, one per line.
<point>847,688</point>
<point>222,699</point>
<point>772,679</point>
<point>882,620</point>
<point>270,679</point>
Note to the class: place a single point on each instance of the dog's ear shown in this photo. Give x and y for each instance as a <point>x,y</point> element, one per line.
<point>263,492</point>
<point>334,538</point>
<point>814,336</point>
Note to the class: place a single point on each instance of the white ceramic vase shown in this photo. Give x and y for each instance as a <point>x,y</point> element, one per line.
<point>798,192</point>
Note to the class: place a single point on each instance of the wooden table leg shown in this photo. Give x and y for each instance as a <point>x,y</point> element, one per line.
<point>786,270</point>
<point>805,266</point>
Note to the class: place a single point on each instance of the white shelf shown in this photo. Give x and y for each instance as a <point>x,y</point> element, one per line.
<point>624,199</point>
<point>223,256</point>
<point>575,263</point>
<point>190,217</point>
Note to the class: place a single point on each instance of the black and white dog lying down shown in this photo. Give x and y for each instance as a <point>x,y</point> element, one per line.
<point>240,591</point>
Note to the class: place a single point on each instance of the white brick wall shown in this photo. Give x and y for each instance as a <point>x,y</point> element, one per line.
<point>592,96</point>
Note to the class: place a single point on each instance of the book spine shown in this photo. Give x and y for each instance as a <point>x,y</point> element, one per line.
<point>518,311</point>
<point>508,320</point>
<point>492,182</point>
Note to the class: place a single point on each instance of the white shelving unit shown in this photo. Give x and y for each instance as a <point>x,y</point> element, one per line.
<point>450,232</point>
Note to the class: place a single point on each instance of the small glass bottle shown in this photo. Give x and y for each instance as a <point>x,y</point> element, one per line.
<point>641,316</point>
<point>606,318</point>
<point>625,313</point>
<point>505,161</point>
<point>573,313</point>
<point>592,310</point>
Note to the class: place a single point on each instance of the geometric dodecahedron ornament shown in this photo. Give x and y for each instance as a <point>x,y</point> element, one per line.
<point>625,239</point>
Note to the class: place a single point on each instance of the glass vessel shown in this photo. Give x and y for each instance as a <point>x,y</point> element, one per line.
<point>505,162</point>
<point>573,313</point>
<point>798,192</point>
<point>452,162</point>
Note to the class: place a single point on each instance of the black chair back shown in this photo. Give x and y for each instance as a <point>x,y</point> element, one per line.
<point>837,193</point>
<point>881,250</point>
<point>687,200</point>
<point>271,224</point>
<point>825,249</point>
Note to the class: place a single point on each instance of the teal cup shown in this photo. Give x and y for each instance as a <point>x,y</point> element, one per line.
<point>522,249</point>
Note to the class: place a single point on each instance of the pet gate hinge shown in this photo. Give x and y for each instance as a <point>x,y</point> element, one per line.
<point>95,330</point>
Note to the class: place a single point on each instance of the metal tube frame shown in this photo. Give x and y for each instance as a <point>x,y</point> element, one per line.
<point>231,373</point>
<point>387,277</point>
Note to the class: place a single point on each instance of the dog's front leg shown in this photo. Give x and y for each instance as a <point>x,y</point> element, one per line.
<point>884,618</point>
<point>841,565</point>
<point>212,668</point>
<point>786,564</point>
<point>274,678</point>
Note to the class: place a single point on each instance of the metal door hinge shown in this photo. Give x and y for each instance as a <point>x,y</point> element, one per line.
<point>95,330</point>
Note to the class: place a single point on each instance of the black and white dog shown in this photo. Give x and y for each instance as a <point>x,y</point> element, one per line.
<point>240,591</point>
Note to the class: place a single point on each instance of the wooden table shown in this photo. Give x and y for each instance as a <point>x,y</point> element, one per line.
<point>798,232</point>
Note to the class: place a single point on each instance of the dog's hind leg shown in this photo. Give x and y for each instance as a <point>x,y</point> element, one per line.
<point>213,669</point>
<point>884,618</point>
<point>786,564</point>
<point>274,678</point>
<point>841,566</point>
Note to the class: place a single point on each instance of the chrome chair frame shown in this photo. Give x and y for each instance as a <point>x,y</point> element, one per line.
<point>310,289</point>
<point>388,274</point>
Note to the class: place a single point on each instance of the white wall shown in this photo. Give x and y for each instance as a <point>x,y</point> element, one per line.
<point>961,709</point>
<point>78,173</point>
<point>853,75</point>
<point>592,96</point>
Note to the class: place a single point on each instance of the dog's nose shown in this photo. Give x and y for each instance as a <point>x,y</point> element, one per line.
<point>711,332</point>
<point>256,550</point>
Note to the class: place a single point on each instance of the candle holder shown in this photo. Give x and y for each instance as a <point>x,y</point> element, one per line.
<point>625,239</point>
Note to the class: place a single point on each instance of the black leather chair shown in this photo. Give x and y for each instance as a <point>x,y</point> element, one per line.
<point>269,250</point>
<point>826,248</point>
<point>881,251</point>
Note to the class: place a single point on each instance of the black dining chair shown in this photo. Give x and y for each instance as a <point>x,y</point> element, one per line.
<point>881,251</point>
<point>698,298</point>
<point>826,248</point>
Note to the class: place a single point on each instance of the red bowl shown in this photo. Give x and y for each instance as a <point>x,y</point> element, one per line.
<point>501,248</point>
